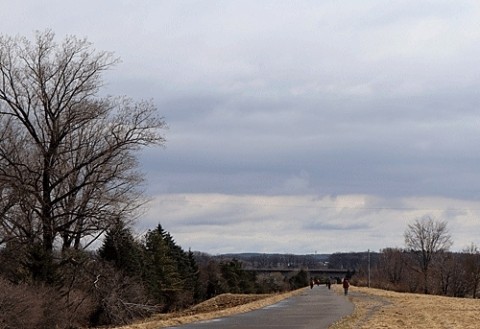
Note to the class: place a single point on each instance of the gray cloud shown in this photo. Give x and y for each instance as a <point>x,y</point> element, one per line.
<point>326,99</point>
<point>394,155</point>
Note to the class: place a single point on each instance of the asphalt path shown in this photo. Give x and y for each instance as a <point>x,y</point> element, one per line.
<point>315,308</point>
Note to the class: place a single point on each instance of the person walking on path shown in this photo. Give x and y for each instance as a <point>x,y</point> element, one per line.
<point>308,309</point>
<point>346,284</point>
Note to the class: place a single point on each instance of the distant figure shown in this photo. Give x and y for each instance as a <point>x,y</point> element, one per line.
<point>329,283</point>
<point>311,284</point>
<point>346,284</point>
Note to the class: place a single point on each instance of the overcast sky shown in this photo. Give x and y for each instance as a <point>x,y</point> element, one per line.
<point>294,126</point>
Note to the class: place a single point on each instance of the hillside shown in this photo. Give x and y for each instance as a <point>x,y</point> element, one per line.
<point>374,308</point>
<point>222,305</point>
<point>271,260</point>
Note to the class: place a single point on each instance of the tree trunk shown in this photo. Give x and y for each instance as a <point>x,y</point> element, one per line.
<point>47,225</point>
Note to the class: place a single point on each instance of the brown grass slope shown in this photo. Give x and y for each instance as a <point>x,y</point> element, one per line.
<point>219,306</point>
<point>374,309</point>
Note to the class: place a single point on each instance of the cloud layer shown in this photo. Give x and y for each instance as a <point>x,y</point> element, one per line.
<point>284,115</point>
<point>223,223</point>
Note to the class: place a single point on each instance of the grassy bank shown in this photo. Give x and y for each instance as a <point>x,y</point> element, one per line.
<point>376,308</point>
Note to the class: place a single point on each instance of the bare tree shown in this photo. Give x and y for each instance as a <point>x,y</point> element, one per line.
<point>67,155</point>
<point>450,275</point>
<point>472,268</point>
<point>425,238</point>
<point>391,267</point>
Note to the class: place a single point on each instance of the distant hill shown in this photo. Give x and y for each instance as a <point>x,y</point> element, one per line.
<point>253,260</point>
<point>275,260</point>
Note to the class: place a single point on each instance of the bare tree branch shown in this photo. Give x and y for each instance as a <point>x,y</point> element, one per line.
<point>67,156</point>
<point>426,238</point>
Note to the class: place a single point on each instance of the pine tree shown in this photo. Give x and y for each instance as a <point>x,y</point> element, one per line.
<point>120,248</point>
<point>237,279</point>
<point>161,272</point>
<point>192,282</point>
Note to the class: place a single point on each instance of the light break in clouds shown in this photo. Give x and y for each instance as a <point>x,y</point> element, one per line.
<point>294,126</point>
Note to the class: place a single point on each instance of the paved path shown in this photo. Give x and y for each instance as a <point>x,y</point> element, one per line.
<point>315,308</point>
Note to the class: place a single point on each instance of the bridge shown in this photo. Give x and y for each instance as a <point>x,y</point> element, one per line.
<point>318,272</point>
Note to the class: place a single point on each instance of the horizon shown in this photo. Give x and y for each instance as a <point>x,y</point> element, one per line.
<point>293,126</point>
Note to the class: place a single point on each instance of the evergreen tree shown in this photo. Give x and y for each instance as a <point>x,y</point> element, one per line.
<point>300,280</point>
<point>192,282</point>
<point>120,248</point>
<point>237,279</point>
<point>172,275</point>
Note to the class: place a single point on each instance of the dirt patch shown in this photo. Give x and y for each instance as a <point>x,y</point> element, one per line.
<point>220,306</point>
<point>366,307</point>
<point>225,301</point>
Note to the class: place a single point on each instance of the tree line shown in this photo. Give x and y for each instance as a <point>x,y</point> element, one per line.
<point>424,265</point>
<point>278,261</point>
<point>68,177</point>
<point>127,278</point>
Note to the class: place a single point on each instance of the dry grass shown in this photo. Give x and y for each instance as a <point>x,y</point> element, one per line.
<point>374,309</point>
<point>385,309</point>
<point>223,305</point>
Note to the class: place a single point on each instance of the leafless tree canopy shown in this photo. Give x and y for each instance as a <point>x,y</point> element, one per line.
<point>67,162</point>
<point>427,237</point>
